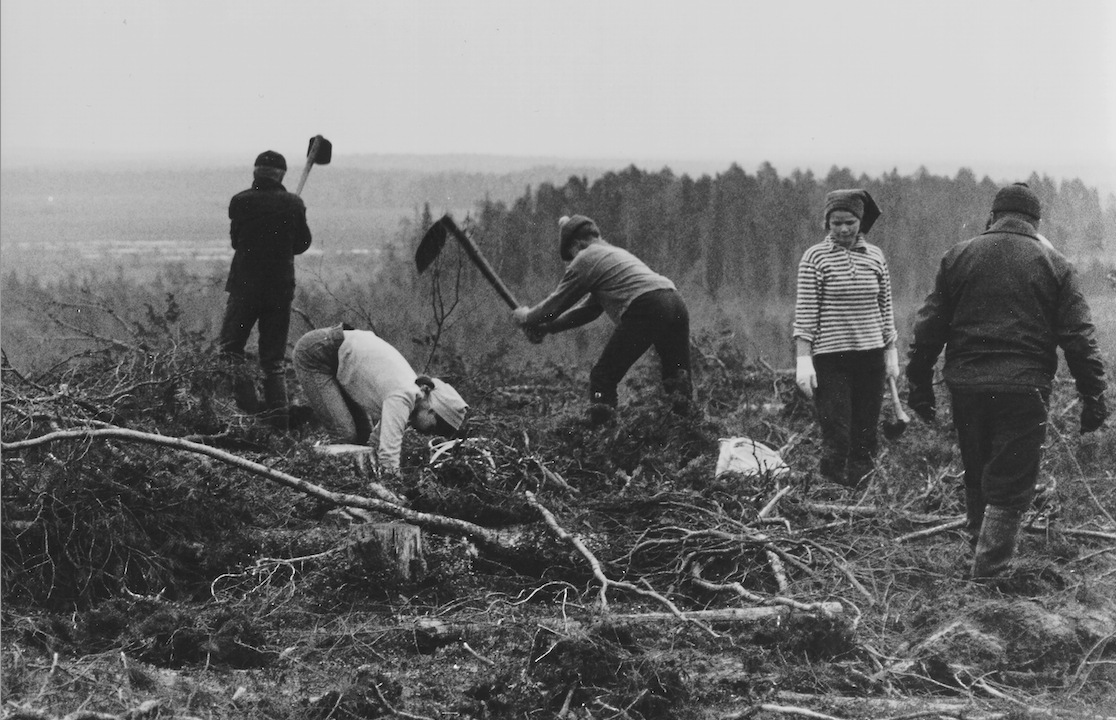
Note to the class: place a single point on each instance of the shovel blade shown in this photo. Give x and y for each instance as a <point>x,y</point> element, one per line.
<point>431,245</point>
<point>892,430</point>
<point>325,150</point>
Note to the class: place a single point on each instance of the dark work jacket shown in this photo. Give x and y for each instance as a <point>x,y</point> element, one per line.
<point>1001,305</point>
<point>268,228</point>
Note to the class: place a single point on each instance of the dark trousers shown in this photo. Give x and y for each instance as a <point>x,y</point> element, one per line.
<point>274,319</point>
<point>1000,436</point>
<point>848,401</point>
<point>657,318</point>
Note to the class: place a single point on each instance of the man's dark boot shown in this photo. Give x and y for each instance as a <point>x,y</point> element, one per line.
<point>243,386</point>
<point>600,414</point>
<point>996,547</point>
<point>857,472</point>
<point>974,513</point>
<point>832,469</point>
<point>276,413</point>
<point>244,393</point>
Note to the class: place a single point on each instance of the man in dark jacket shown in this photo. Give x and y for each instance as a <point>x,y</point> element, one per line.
<point>268,228</point>
<point>1003,302</point>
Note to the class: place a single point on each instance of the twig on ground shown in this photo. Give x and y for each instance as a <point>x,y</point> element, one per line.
<point>477,655</point>
<point>695,573</point>
<point>936,530</point>
<point>844,570</point>
<point>788,710</point>
<point>388,707</point>
<point>598,571</point>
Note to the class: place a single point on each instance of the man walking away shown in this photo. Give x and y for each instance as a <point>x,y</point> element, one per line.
<point>267,228</point>
<point>1002,303</point>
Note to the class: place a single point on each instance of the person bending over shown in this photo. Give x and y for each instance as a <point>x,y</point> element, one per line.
<point>355,378</point>
<point>646,307</point>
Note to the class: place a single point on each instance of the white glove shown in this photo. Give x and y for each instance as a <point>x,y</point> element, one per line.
<point>805,376</point>
<point>519,315</point>
<point>891,362</point>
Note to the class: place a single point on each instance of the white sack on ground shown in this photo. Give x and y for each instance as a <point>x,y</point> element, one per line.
<point>745,456</point>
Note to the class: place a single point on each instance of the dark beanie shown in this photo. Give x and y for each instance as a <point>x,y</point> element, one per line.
<point>271,159</point>
<point>856,201</point>
<point>572,227</point>
<point>1017,198</point>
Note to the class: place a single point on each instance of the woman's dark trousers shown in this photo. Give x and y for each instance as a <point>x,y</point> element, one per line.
<point>848,401</point>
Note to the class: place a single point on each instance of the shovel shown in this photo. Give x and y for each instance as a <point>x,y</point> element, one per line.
<point>894,428</point>
<point>435,239</point>
<point>320,152</point>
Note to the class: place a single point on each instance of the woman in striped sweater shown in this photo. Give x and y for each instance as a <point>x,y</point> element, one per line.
<point>844,330</point>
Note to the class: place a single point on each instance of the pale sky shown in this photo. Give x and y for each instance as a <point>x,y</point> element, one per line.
<point>999,86</point>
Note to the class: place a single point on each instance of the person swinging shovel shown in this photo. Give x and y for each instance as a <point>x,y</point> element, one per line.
<point>267,229</point>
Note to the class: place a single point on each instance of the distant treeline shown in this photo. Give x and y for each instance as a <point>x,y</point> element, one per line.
<point>735,233</point>
<point>741,235</point>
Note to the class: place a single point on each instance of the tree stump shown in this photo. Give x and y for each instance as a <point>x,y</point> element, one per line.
<point>395,547</point>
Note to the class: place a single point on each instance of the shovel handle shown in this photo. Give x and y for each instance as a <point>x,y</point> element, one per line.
<point>310,156</point>
<point>900,414</point>
<point>480,262</point>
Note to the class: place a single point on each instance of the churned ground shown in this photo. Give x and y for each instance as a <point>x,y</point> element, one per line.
<point>200,566</point>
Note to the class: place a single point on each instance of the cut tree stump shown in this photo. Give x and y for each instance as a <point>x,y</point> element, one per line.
<point>394,547</point>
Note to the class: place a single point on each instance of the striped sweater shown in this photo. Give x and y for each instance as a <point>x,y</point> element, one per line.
<point>844,298</point>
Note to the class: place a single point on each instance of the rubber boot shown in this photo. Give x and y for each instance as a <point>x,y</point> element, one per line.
<point>974,513</point>
<point>996,547</point>
<point>276,414</point>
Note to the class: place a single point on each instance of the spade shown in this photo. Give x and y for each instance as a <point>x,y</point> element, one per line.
<point>894,428</point>
<point>320,152</point>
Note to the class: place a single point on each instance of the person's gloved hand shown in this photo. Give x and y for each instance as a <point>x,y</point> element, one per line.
<point>921,399</point>
<point>805,376</point>
<point>519,315</point>
<point>1094,412</point>
<point>891,362</point>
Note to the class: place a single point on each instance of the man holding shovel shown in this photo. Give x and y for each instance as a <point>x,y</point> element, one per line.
<point>646,307</point>
<point>268,228</point>
<point>1002,303</point>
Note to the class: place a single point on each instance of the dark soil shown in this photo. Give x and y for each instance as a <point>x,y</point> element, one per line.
<point>140,581</point>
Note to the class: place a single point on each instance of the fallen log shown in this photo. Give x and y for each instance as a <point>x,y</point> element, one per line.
<point>909,707</point>
<point>740,615</point>
<point>484,537</point>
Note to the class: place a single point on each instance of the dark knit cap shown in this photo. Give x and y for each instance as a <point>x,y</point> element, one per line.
<point>856,201</point>
<point>1019,198</point>
<point>271,159</point>
<point>570,229</point>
